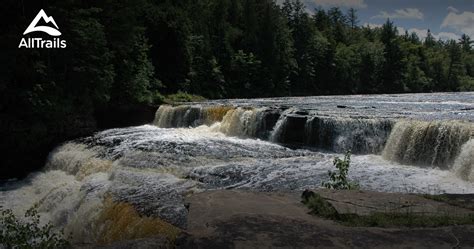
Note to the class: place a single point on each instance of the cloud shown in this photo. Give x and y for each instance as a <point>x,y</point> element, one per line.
<point>372,25</point>
<point>408,13</point>
<point>447,36</point>
<point>463,22</point>
<point>341,3</point>
<point>452,9</point>
<point>421,33</point>
<point>401,30</point>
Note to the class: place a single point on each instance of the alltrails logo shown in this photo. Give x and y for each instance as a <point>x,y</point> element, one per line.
<point>40,42</point>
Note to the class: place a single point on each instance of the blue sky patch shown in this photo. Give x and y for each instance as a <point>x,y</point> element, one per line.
<point>447,19</point>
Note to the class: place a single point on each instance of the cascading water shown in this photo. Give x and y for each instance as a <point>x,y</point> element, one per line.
<point>435,143</point>
<point>360,136</point>
<point>464,163</point>
<point>143,173</point>
<point>280,127</point>
<point>179,116</point>
<point>241,122</point>
<point>407,141</point>
<point>232,121</point>
<point>189,116</point>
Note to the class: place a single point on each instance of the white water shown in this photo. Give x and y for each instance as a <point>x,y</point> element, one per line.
<point>154,168</point>
<point>428,143</point>
<point>145,163</point>
<point>464,164</point>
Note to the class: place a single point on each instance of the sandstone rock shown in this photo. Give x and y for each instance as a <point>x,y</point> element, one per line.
<point>240,219</point>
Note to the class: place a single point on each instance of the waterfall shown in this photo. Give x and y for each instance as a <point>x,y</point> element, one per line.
<point>360,136</point>
<point>464,163</point>
<point>234,121</point>
<point>78,160</point>
<point>213,114</point>
<point>179,116</point>
<point>290,126</point>
<point>96,188</point>
<point>279,128</point>
<point>434,143</point>
<point>188,116</point>
<point>241,122</point>
<point>425,143</point>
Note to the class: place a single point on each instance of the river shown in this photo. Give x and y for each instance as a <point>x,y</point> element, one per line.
<point>411,143</point>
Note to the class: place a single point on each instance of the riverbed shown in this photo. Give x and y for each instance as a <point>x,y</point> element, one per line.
<point>411,143</point>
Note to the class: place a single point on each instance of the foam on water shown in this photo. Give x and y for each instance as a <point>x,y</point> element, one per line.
<point>464,164</point>
<point>435,143</point>
<point>238,144</point>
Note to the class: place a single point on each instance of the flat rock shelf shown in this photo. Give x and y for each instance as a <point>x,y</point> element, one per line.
<point>243,219</point>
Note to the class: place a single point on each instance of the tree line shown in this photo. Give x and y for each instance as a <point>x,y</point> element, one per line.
<point>124,53</point>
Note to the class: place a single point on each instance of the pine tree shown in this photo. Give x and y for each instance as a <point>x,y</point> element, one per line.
<point>466,43</point>
<point>393,65</point>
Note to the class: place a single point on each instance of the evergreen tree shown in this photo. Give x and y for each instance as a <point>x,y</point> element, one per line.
<point>393,65</point>
<point>430,40</point>
<point>352,18</point>
<point>371,67</point>
<point>455,69</point>
<point>466,43</point>
<point>245,72</point>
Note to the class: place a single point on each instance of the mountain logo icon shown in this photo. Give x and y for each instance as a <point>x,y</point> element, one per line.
<point>49,30</point>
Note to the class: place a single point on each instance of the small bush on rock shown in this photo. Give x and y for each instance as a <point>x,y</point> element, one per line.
<point>338,179</point>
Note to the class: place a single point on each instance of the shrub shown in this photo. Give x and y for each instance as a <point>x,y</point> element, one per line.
<point>27,232</point>
<point>323,208</point>
<point>180,97</point>
<point>338,179</point>
<point>318,205</point>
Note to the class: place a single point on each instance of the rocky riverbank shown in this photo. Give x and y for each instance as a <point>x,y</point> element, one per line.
<point>245,219</point>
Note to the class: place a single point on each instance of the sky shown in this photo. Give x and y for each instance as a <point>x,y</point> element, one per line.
<point>446,19</point>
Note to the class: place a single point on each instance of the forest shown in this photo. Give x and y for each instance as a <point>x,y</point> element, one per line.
<point>123,56</point>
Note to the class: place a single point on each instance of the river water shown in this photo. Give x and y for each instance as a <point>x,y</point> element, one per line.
<point>412,143</point>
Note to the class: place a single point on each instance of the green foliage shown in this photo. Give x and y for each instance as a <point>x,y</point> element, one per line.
<point>338,179</point>
<point>346,58</point>
<point>466,43</point>
<point>393,66</point>
<point>466,83</point>
<point>318,205</point>
<point>182,97</point>
<point>370,68</point>
<point>27,232</point>
<point>245,71</point>
<point>138,88</point>
<point>322,208</point>
<point>91,71</point>
<point>456,67</point>
<point>124,53</point>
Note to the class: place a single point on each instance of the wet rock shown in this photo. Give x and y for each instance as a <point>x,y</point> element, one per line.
<point>268,121</point>
<point>360,136</point>
<point>294,130</point>
<point>152,194</point>
<point>221,177</point>
<point>301,112</point>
